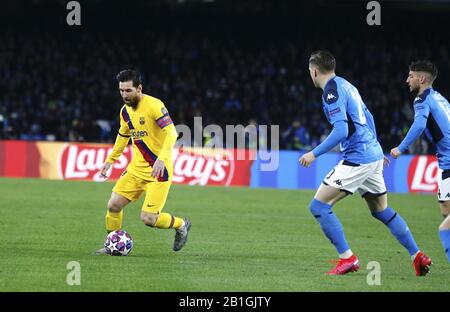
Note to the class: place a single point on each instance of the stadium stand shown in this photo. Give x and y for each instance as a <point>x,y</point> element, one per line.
<point>59,83</point>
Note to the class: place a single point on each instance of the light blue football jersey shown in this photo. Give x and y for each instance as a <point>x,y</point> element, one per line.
<point>436,109</point>
<point>342,101</point>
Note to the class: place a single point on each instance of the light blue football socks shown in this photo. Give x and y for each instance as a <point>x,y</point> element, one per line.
<point>330,224</point>
<point>445,239</point>
<point>399,228</point>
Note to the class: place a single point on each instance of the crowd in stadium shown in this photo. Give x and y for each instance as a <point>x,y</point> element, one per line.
<point>58,87</point>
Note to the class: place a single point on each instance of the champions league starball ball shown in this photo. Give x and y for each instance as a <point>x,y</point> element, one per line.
<point>118,243</point>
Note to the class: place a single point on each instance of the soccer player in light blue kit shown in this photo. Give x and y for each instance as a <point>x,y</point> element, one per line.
<point>432,114</point>
<point>361,169</point>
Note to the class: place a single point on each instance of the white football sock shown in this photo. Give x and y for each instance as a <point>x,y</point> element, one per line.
<point>346,254</point>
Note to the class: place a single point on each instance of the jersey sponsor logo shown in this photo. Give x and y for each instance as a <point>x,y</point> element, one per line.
<point>138,134</point>
<point>83,162</point>
<point>423,174</point>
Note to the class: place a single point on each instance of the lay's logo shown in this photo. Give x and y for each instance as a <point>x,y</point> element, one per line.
<point>423,174</point>
<point>83,161</point>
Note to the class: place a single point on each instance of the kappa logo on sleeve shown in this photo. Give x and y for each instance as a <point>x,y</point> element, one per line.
<point>331,96</point>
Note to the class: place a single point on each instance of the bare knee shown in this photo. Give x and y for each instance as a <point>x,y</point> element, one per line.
<point>445,225</point>
<point>149,219</point>
<point>329,195</point>
<point>117,202</point>
<point>114,207</point>
<point>445,208</point>
<point>376,203</point>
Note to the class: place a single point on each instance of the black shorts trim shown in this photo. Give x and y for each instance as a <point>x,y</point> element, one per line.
<point>374,194</point>
<point>349,163</point>
<point>348,192</point>
<point>445,174</point>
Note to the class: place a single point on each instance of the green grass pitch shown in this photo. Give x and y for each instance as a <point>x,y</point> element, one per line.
<point>241,239</point>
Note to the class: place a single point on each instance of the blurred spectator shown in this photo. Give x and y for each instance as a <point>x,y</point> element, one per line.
<point>57,88</point>
<point>296,137</point>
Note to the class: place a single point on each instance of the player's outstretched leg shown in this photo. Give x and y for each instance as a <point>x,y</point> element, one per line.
<point>444,234</point>
<point>99,252</point>
<point>421,264</point>
<point>400,230</point>
<point>152,216</point>
<point>181,235</point>
<point>113,218</point>
<point>333,230</point>
<point>378,205</point>
<point>113,221</point>
<point>167,221</point>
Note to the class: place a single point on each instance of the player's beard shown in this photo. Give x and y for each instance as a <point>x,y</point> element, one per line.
<point>133,102</point>
<point>415,90</point>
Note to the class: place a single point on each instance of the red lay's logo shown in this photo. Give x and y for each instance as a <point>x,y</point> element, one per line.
<point>197,166</point>
<point>83,161</point>
<point>192,166</point>
<point>423,174</point>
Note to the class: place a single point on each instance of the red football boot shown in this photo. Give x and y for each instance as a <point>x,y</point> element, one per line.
<point>421,264</point>
<point>345,266</point>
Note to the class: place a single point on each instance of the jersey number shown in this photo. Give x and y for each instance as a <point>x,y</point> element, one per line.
<point>355,95</point>
<point>444,105</point>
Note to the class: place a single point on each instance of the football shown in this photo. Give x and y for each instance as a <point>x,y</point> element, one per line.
<point>118,243</point>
